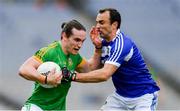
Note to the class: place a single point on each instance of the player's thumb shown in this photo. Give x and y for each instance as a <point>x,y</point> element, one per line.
<point>59,78</point>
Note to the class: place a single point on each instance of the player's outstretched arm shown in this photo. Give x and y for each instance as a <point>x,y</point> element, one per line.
<point>95,76</point>
<point>99,75</point>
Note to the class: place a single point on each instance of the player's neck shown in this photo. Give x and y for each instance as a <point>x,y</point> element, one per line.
<point>64,49</point>
<point>112,36</point>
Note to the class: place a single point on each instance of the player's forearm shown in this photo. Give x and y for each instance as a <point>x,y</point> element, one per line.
<point>30,73</point>
<point>94,61</point>
<point>92,77</point>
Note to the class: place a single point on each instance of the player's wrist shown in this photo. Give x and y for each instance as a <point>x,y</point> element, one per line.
<point>97,50</point>
<point>98,47</point>
<point>67,75</point>
<point>73,76</point>
<point>41,79</point>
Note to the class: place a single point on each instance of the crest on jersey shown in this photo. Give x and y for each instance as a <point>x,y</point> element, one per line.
<point>106,51</point>
<point>70,63</point>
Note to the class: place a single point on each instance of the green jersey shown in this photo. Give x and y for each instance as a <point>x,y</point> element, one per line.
<point>54,98</point>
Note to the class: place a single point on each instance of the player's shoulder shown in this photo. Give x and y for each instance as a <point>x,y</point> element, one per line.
<point>127,39</point>
<point>123,43</point>
<point>53,44</point>
<point>49,48</point>
<point>122,39</point>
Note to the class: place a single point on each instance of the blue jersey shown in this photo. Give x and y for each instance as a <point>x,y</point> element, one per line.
<point>132,78</point>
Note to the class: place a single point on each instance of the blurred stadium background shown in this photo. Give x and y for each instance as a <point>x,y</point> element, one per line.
<point>27,25</point>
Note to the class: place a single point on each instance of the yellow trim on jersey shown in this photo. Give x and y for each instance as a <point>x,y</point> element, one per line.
<point>38,59</point>
<point>82,63</point>
<point>45,49</point>
<point>52,45</point>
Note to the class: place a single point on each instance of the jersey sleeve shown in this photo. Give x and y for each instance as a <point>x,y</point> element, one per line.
<point>41,54</point>
<point>121,51</point>
<point>47,53</point>
<point>83,61</point>
<point>80,60</point>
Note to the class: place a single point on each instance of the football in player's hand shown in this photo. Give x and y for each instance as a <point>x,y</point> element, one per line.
<point>45,68</point>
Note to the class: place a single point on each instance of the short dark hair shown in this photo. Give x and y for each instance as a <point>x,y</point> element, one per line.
<point>68,26</point>
<point>114,15</point>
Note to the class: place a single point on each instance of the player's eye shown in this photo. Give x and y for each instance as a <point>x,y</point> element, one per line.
<point>101,22</point>
<point>77,40</point>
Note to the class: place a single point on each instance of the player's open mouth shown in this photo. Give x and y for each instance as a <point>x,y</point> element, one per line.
<point>76,49</point>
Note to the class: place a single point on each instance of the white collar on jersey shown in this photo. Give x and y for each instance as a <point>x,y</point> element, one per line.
<point>117,32</point>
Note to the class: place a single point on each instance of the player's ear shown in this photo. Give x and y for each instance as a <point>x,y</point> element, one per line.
<point>63,35</point>
<point>115,24</point>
